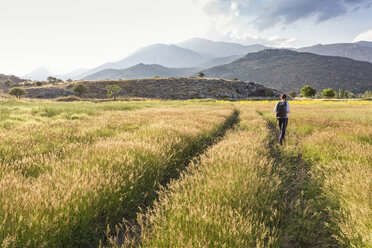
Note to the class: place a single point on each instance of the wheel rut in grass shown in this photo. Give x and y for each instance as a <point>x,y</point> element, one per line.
<point>129,231</point>
<point>305,216</point>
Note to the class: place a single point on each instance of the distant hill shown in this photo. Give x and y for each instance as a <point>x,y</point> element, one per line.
<point>358,51</point>
<point>365,43</point>
<point>162,88</point>
<point>287,70</point>
<point>40,73</point>
<point>8,81</point>
<point>219,61</point>
<point>212,49</point>
<point>71,75</point>
<point>141,71</point>
<point>11,78</point>
<point>165,55</point>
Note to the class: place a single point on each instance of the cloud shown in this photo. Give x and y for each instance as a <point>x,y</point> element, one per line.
<point>266,14</point>
<point>364,36</point>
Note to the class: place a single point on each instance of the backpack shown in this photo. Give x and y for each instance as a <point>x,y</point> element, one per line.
<point>281,110</point>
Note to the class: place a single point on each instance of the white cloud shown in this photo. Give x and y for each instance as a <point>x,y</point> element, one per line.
<point>365,36</point>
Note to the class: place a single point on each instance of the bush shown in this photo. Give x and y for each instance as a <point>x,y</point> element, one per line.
<point>307,91</point>
<point>201,74</point>
<point>38,83</point>
<point>328,93</point>
<point>113,90</point>
<point>17,91</point>
<point>80,89</point>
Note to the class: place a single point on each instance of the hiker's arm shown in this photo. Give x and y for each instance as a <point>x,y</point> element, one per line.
<point>275,108</point>
<point>288,108</point>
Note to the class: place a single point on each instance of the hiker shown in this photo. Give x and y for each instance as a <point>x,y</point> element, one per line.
<point>282,110</point>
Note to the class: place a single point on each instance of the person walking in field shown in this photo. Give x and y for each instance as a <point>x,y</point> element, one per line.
<point>282,110</point>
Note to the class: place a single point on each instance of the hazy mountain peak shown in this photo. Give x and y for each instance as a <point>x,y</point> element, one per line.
<point>40,73</point>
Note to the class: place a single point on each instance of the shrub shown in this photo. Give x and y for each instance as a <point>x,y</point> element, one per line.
<point>328,93</point>
<point>38,83</point>
<point>17,91</point>
<point>307,91</point>
<point>113,90</point>
<point>80,89</point>
<point>201,74</point>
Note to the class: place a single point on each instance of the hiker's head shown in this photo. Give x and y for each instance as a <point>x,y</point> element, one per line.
<point>283,97</point>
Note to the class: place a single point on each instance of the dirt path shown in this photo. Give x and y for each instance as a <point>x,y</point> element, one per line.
<point>303,224</point>
<point>128,232</point>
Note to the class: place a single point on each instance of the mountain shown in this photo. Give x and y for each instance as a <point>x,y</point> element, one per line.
<point>165,55</point>
<point>11,78</point>
<point>71,75</point>
<point>365,43</point>
<point>219,61</point>
<point>355,51</point>
<point>40,73</point>
<point>288,70</point>
<point>142,71</point>
<point>212,49</point>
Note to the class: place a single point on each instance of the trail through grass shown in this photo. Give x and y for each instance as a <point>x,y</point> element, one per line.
<point>77,176</point>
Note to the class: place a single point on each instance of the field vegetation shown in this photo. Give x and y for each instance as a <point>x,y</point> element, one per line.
<point>185,174</point>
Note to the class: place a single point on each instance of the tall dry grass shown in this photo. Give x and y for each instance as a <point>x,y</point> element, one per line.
<point>334,140</point>
<point>230,198</point>
<point>64,179</point>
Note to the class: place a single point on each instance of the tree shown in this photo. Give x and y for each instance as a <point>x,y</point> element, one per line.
<point>51,79</point>
<point>201,74</point>
<point>80,89</point>
<point>292,94</point>
<point>307,91</point>
<point>329,93</point>
<point>69,80</point>
<point>113,90</point>
<point>17,91</point>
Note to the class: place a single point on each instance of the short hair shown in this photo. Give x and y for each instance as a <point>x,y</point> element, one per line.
<point>283,96</point>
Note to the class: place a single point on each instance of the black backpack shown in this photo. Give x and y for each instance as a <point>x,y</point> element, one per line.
<point>281,110</point>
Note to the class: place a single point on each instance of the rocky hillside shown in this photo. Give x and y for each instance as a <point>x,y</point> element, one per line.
<point>170,88</point>
<point>287,70</point>
<point>8,81</point>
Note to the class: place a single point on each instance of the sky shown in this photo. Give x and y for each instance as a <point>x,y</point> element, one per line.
<point>72,34</point>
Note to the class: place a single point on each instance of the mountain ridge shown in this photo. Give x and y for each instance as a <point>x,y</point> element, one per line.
<point>288,70</point>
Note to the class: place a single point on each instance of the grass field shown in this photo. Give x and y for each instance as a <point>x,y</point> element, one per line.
<point>185,174</point>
